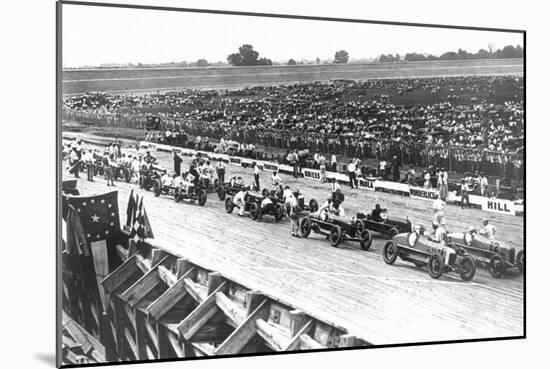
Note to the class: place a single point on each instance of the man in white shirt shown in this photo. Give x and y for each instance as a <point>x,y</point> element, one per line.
<point>488,230</point>
<point>88,159</point>
<point>351,173</point>
<point>238,200</point>
<point>484,183</point>
<point>256,176</point>
<point>333,162</point>
<point>438,207</point>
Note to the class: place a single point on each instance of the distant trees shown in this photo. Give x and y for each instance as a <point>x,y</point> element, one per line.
<point>291,62</point>
<point>506,52</point>
<point>202,63</point>
<point>247,56</point>
<point>341,57</point>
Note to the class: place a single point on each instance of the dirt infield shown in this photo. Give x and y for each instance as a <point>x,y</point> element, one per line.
<point>349,287</point>
<point>150,79</point>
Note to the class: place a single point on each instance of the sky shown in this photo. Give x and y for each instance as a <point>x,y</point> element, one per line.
<point>95,35</point>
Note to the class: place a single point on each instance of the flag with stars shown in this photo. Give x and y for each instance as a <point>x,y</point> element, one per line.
<point>98,215</point>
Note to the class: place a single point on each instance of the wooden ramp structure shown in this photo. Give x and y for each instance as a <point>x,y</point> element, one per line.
<point>162,306</point>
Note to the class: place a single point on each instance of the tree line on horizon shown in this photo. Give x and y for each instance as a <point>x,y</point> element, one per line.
<point>247,56</point>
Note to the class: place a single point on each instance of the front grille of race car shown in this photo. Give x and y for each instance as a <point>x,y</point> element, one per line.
<point>452,258</point>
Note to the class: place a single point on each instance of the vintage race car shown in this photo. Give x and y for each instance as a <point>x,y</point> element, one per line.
<point>418,249</point>
<point>311,207</point>
<point>179,193</point>
<point>231,188</point>
<point>496,255</point>
<point>122,172</point>
<point>253,206</point>
<point>337,229</point>
<point>210,186</point>
<point>384,225</point>
<point>148,177</point>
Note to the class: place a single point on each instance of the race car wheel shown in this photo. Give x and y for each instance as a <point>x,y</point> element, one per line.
<point>390,253</point>
<point>202,197</point>
<point>177,194</point>
<point>335,236</point>
<point>359,226</point>
<point>254,210</point>
<point>366,240</point>
<point>313,205</point>
<point>496,266</point>
<point>265,192</point>
<point>305,227</point>
<point>393,232</point>
<point>229,206</point>
<point>279,212</point>
<point>221,193</point>
<point>217,185</point>
<point>157,189</point>
<point>467,268</point>
<point>520,260</point>
<point>435,266</point>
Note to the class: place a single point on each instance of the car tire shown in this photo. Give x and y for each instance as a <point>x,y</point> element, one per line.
<point>390,252</point>
<point>335,236</point>
<point>177,194</point>
<point>393,232</point>
<point>359,226</point>
<point>305,227</point>
<point>313,205</point>
<point>520,260</point>
<point>467,268</point>
<point>366,240</point>
<point>221,193</point>
<point>279,212</point>
<point>496,266</point>
<point>202,197</point>
<point>229,206</point>
<point>436,266</point>
<point>254,210</point>
<point>157,188</point>
<point>217,185</point>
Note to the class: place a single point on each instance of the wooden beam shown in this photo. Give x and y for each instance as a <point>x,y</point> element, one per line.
<point>122,253</point>
<point>235,314</point>
<point>295,341</point>
<point>142,287</point>
<point>156,256</point>
<point>308,343</point>
<point>297,320</point>
<point>175,344</point>
<point>193,290</point>
<point>141,339</point>
<point>271,335</point>
<point>214,280</point>
<point>120,274</point>
<point>346,340</point>
<point>211,332</point>
<point>204,349</point>
<point>166,275</point>
<point>253,299</point>
<point>183,266</point>
<point>131,342</point>
<point>169,298</point>
<point>162,342</point>
<point>244,332</point>
<point>151,331</point>
<point>143,263</point>
<point>202,313</point>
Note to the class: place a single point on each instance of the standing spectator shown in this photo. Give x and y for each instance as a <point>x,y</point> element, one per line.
<point>220,169</point>
<point>323,168</point>
<point>433,176</point>
<point>294,163</point>
<point>135,168</point>
<point>333,162</point>
<point>256,176</point>
<point>293,214</point>
<point>411,176</point>
<point>395,167</point>
<point>108,169</point>
<point>382,169</point>
<point>465,194</point>
<point>351,173</point>
<point>484,183</point>
<point>88,159</point>
<point>74,162</point>
<point>438,208</point>
<point>426,179</point>
<point>177,163</point>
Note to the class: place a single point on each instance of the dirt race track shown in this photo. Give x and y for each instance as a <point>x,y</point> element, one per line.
<point>78,81</point>
<point>346,286</point>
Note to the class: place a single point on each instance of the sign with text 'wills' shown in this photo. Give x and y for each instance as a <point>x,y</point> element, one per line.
<point>499,206</point>
<point>311,173</point>
<point>424,193</point>
<point>366,183</point>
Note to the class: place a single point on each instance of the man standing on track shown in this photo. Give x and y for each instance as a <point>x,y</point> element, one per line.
<point>88,159</point>
<point>256,176</point>
<point>220,169</point>
<point>351,173</point>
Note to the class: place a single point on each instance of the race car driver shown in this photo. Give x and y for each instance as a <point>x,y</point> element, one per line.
<point>238,200</point>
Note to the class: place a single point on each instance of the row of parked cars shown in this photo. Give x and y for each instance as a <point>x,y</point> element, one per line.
<point>459,253</point>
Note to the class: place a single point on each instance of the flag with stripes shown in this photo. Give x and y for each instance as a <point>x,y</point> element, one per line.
<point>141,228</point>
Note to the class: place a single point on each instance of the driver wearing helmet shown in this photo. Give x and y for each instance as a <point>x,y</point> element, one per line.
<point>376,212</point>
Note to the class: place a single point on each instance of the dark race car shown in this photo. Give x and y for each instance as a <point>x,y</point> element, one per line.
<point>210,186</point>
<point>253,205</point>
<point>497,256</point>
<point>337,229</point>
<point>149,176</point>
<point>231,188</point>
<point>122,172</point>
<point>179,193</point>
<point>383,223</point>
<point>311,206</point>
<point>418,249</point>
